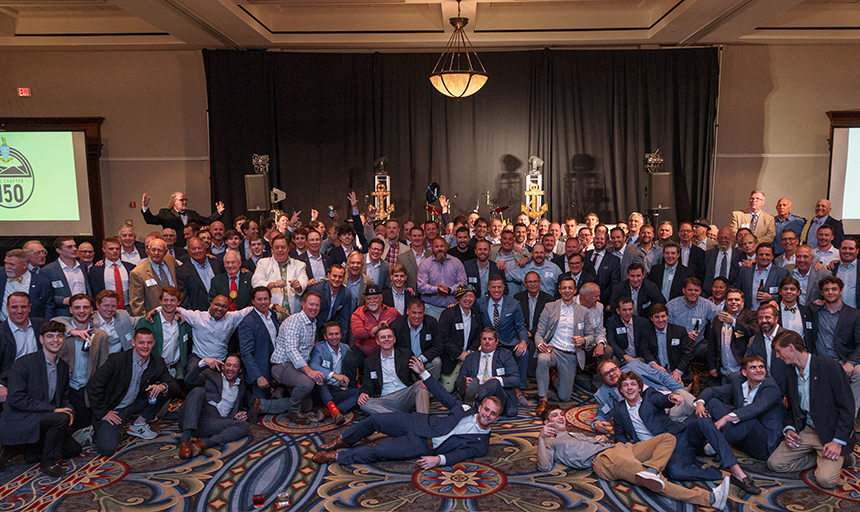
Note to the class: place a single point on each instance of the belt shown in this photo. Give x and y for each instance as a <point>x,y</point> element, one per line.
<point>568,352</point>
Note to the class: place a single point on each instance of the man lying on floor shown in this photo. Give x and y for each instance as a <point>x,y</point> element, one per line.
<point>462,434</point>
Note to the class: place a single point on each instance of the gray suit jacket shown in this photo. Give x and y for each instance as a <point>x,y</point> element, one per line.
<point>407,259</point>
<point>124,324</point>
<point>583,326</point>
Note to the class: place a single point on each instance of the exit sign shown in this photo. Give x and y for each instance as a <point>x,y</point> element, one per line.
<point>24,92</point>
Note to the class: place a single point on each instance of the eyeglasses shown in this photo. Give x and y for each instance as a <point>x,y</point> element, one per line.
<point>607,373</point>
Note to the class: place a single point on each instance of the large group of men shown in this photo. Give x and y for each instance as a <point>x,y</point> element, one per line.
<point>696,339</point>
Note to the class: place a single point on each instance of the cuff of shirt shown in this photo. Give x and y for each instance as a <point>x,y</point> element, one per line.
<point>442,460</point>
<point>425,375</point>
<point>329,375</point>
<point>786,429</point>
<point>843,443</point>
<point>145,208</point>
<point>698,401</point>
<point>422,358</point>
<point>733,417</point>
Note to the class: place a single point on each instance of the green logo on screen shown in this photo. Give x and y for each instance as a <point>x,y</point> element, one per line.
<point>16,177</point>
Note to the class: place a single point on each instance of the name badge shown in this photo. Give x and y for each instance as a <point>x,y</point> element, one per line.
<point>676,342</point>
<point>128,336</point>
<point>500,372</point>
<point>150,282</point>
<point>774,289</point>
<point>473,279</point>
<point>605,409</point>
<point>372,375</point>
<point>580,326</point>
<point>745,225</point>
<point>428,337</point>
<point>646,305</point>
<point>459,327</point>
<point>465,407</point>
<point>547,274</point>
<point>621,330</point>
<point>57,284</point>
<point>809,325</point>
<point>326,364</point>
<point>184,337</point>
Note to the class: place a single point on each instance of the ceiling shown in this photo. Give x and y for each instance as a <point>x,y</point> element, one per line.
<point>419,25</point>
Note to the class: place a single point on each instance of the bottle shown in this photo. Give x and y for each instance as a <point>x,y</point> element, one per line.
<point>696,328</point>
<point>761,285</point>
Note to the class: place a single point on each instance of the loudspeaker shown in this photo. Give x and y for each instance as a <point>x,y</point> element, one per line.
<point>257,192</point>
<point>660,195</point>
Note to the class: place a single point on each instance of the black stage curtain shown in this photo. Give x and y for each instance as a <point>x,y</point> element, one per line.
<point>591,115</point>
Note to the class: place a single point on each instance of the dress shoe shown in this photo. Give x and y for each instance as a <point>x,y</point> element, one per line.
<point>55,470</point>
<point>297,418</point>
<point>257,407</point>
<point>5,457</point>
<point>335,444</point>
<point>522,401</point>
<point>197,447</point>
<point>541,406</point>
<point>338,417</point>
<point>325,457</point>
<point>185,450</point>
<point>848,461</point>
<point>747,485</point>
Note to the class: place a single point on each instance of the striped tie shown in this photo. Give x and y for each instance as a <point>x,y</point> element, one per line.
<point>496,316</point>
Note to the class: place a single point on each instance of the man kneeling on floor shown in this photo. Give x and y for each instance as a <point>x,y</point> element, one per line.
<point>641,463</point>
<point>440,439</point>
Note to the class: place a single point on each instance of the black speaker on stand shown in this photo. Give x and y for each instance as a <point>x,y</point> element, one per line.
<point>659,194</point>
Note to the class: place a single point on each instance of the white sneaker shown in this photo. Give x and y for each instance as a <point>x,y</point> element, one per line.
<point>141,430</point>
<point>84,435</point>
<point>709,450</point>
<point>721,494</point>
<point>650,480</point>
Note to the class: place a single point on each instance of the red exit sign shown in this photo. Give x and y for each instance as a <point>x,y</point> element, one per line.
<point>24,92</point>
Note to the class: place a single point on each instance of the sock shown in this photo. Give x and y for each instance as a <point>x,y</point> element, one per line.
<point>712,497</point>
<point>332,408</point>
<point>186,435</point>
<point>140,420</point>
<point>652,470</point>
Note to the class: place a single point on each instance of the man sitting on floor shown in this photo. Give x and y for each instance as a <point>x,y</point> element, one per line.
<point>327,358</point>
<point>440,439</point>
<point>491,371</point>
<point>387,383</point>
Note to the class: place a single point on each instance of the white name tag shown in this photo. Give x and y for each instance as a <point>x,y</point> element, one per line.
<point>621,330</point>
<point>184,337</point>
<point>500,372</point>
<point>128,336</point>
<point>465,407</point>
<point>580,326</point>
<point>745,225</point>
<point>774,289</point>
<point>646,305</point>
<point>473,279</point>
<point>326,364</point>
<point>57,284</point>
<point>547,274</point>
<point>606,409</point>
<point>459,327</point>
<point>428,337</point>
<point>675,342</point>
<point>372,375</point>
<point>150,282</point>
<point>809,325</point>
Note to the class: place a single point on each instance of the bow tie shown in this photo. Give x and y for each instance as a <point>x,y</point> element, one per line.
<point>790,310</point>
<point>16,279</point>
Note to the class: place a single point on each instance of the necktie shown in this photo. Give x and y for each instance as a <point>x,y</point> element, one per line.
<point>163,275</point>
<point>486,376</point>
<point>117,282</point>
<point>496,316</point>
<point>791,310</point>
<point>753,222</point>
<point>286,301</point>
<point>16,279</point>
<point>724,264</point>
<point>594,261</point>
<point>234,292</point>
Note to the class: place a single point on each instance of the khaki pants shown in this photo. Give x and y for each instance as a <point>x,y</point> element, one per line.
<point>809,454</point>
<point>624,460</point>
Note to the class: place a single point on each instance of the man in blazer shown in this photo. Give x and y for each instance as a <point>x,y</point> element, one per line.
<point>399,295</point>
<point>19,279</point>
<point>667,346</point>
<point>760,282</point>
<point>822,218</point>
<point>127,384</point>
<point>419,333</point>
<point>605,265</point>
<point>759,222</point>
<point>817,388</point>
<point>491,371</point>
<point>431,438</point>
<point>791,314</point>
<point>576,270</point>
<point>176,216</point>
<point>18,320</point>
<point>149,277</point>
<point>625,331</point>
<point>729,336</point>
<point>715,258</point>
<point>562,344</point>
<point>670,274</point>
<point>412,257</point>
<point>480,269</point>
<point>37,411</point>
<point>59,271</point>
<point>459,329</point>
<point>753,423</point>
<point>403,391</point>
<point>284,276</point>
<point>194,286</point>
<point>102,275</point>
<point>532,302</point>
<point>175,347</point>
<point>760,344</point>
<point>336,300</point>
<point>232,281</point>
<point>327,358</point>
<point>643,292</point>
<point>258,332</point>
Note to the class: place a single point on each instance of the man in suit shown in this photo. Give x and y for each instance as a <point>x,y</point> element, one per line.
<point>398,296</point>
<point>336,300</point>
<point>459,330</point>
<point>169,237</point>
<point>419,332</point>
<point>103,275</point>
<point>480,269</point>
<point>643,292</point>
<point>760,282</point>
<point>791,314</point>
<point>19,335</point>
<point>232,283</point>
<point>836,332</point>
<point>822,218</point>
<point>564,335</point>
<point>625,331</point>
<point>643,251</point>
<point>819,419</point>
<point>219,408</point>
<point>670,274</point>
<point>375,267</point>
<point>130,382</point>
<point>807,276</point>
<point>692,256</point>
<point>461,434</point>
<point>412,257</point>
<point>284,276</point>
<point>761,343</point>
<point>491,371</point>
<point>38,409</point>
<point>605,265</point>
<point>729,336</point>
<point>577,270</point>
<point>571,247</point>
<point>132,251</point>
<point>19,279</point>
<point>390,391</point>
<point>149,277</point>
<point>759,222</point>
<point>172,336</point>
<point>176,216</point>
<point>718,261</point>
<point>532,302</point>
<point>346,237</point>
<point>66,274</point>
<point>194,278</point>
<point>667,347</point>
<point>691,436</point>
<point>258,332</point>
<point>846,269</point>
<point>753,425</point>
<point>258,251</point>
<point>327,358</point>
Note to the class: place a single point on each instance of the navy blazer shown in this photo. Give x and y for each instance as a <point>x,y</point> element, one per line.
<point>512,324</point>
<point>542,299</point>
<point>746,326</point>
<point>838,230</point>
<point>776,367</point>
<point>649,294</point>
<point>681,274</point>
<point>846,337</point>
<point>832,405</point>
<point>256,345</point>
<point>341,311</point>
<point>745,278</point>
<point>806,317</point>
<point>653,415</point>
<point>28,398</point>
<point>55,275</point>
<point>504,367</point>
<point>455,339</point>
<point>9,347</point>
<point>766,407</point>
<point>194,293</point>
<point>41,295</point>
<point>220,285</point>
<point>388,298</point>
<point>431,344</point>
<point>211,381</point>
<point>473,277</point>
<point>680,354</point>
<point>696,262</point>
<point>371,379</point>
<point>586,276</point>
<point>711,256</point>
<point>96,277</point>
<point>618,340</point>
<point>608,275</point>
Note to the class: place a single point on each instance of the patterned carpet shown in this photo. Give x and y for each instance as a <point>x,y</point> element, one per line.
<point>149,476</point>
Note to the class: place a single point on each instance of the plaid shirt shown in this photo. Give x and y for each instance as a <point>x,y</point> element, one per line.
<point>393,252</point>
<point>295,340</point>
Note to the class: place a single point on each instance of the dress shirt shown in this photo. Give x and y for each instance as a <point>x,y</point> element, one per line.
<point>391,383</point>
<point>270,326</point>
<point>466,426</point>
<point>730,364</point>
<point>484,276</point>
<point>638,425</point>
<point>431,274</point>
<point>804,283</point>
<point>848,275</point>
<point>399,300</point>
<point>787,261</point>
<point>169,340</point>
<point>702,312</point>
<point>158,267</point>
<point>12,287</point>
<point>138,366</point>
<point>573,449</point>
<point>532,306</point>
<point>662,350</point>
<point>759,279</point>
<point>204,271</point>
<point>114,343</point>
<point>597,259</point>
<point>25,339</point>
<point>353,287</point>
<point>210,335</point>
<point>336,364</point>
<point>372,270</point>
<point>668,278</point>
<point>132,257</point>
<point>75,276</point>
<point>792,321</point>
<point>214,249</point>
<point>509,259</point>
<point>415,341</point>
<point>803,390</point>
<point>467,327</point>
<point>825,257</point>
<point>685,255</point>
<point>110,284</point>
<point>634,296</point>
<point>79,373</point>
<point>768,346</point>
<point>52,378</point>
<point>562,339</point>
<point>826,330</point>
<point>812,234</point>
<point>295,340</point>
<point>653,257</point>
<point>628,330</point>
<point>229,395</point>
<point>317,266</point>
<point>727,256</point>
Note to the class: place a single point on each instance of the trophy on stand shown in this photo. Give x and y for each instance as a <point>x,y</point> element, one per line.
<point>534,206</point>
<point>382,190</point>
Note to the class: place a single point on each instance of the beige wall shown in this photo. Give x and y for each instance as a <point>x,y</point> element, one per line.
<point>773,127</point>
<point>155,129</point>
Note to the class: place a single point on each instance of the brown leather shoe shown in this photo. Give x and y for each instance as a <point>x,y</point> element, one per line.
<point>297,418</point>
<point>338,417</point>
<point>335,444</point>
<point>185,450</point>
<point>541,406</point>
<point>257,407</point>
<point>197,447</point>
<point>55,470</point>
<point>325,457</point>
